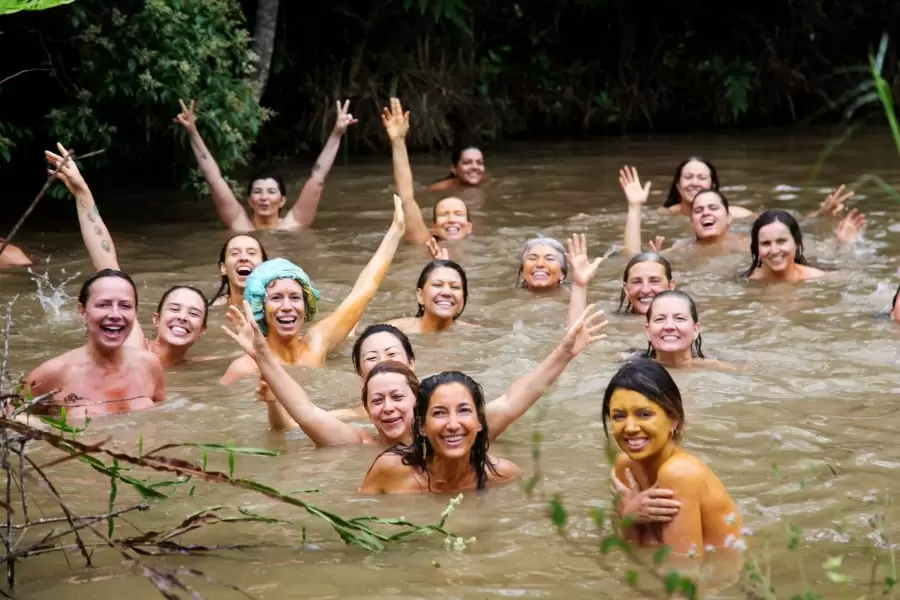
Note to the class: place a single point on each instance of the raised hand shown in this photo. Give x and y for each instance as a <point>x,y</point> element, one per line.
<point>247,333</point>
<point>437,253</point>
<point>343,120</point>
<point>187,118</point>
<point>580,266</point>
<point>585,331</point>
<point>631,186</point>
<point>399,218</point>
<point>656,244</point>
<point>833,204</point>
<point>850,227</point>
<point>69,173</point>
<point>395,121</point>
<point>264,393</point>
<point>653,505</point>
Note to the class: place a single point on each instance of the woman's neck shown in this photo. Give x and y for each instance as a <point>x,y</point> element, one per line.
<point>289,351</point>
<point>450,474</point>
<point>793,273</point>
<point>235,296</point>
<point>269,222</point>
<point>544,289</point>
<point>652,464</point>
<point>680,358</point>
<point>168,354</point>
<point>714,240</point>
<point>429,323</point>
<point>105,356</point>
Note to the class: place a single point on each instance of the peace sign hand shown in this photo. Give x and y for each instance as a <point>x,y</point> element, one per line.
<point>187,118</point>
<point>343,120</point>
<point>68,173</point>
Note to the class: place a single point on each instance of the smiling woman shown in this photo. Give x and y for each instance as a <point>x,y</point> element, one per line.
<point>240,254</point>
<point>442,292</point>
<point>543,265</point>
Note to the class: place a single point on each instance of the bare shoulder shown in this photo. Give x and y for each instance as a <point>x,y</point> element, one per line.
<point>241,367</point>
<point>467,324</point>
<point>739,212</point>
<point>623,463</point>
<point>683,472</point>
<point>387,475</point>
<point>406,324</point>
<point>13,257</point>
<point>812,272</point>
<point>503,470</point>
<point>721,365</point>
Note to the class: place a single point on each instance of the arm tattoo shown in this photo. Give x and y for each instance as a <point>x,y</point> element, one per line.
<point>90,217</point>
<point>97,230</point>
<point>96,210</point>
<point>204,155</point>
<point>105,245</point>
<point>316,167</point>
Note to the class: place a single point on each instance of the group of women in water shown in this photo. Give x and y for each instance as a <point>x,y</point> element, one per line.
<point>435,432</point>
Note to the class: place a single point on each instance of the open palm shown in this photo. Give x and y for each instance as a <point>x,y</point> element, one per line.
<point>585,331</point>
<point>246,332</point>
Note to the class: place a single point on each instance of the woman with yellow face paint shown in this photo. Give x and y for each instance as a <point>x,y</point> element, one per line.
<point>643,405</point>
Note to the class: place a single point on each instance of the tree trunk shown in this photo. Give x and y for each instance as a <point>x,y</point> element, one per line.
<point>264,42</point>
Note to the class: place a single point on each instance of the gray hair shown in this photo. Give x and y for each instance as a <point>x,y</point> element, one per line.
<point>543,241</point>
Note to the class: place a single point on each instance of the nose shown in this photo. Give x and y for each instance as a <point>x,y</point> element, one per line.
<point>669,325</point>
<point>452,423</point>
<point>631,426</point>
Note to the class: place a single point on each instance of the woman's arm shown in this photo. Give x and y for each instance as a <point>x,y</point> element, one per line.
<point>396,124</point>
<point>229,209</point>
<point>303,213</point>
<point>582,270</point>
<point>331,331</point>
<point>636,197</point>
<point>159,379</point>
<point>522,394</point>
<point>241,367</point>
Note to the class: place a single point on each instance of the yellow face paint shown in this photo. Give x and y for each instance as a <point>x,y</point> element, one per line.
<point>640,426</point>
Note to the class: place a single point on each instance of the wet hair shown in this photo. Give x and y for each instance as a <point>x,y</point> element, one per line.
<point>379,328</point>
<point>85,293</point>
<point>637,259</point>
<point>390,366</point>
<point>266,173</point>
<point>420,452</point>
<point>767,218</point>
<point>435,207</point>
<point>449,264</point>
<point>223,286</point>
<point>674,196</point>
<point>721,196</point>
<point>456,156</point>
<point>542,241</point>
<point>651,380</point>
<point>165,295</point>
<point>697,344</point>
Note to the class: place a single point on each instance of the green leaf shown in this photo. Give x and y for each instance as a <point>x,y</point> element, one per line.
<point>13,6</point>
<point>661,555</point>
<point>632,577</point>
<point>671,581</point>
<point>558,513</point>
<point>609,543</point>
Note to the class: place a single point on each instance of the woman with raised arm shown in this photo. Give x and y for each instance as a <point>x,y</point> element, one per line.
<point>282,298</point>
<point>466,169</point>
<point>450,216</point>
<point>180,317</point>
<point>388,390</point>
<point>105,374</point>
<point>644,408</point>
<point>266,193</point>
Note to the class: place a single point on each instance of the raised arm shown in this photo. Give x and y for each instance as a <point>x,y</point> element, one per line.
<point>582,270</point>
<point>322,428</point>
<point>331,331</point>
<point>303,213</point>
<point>637,197</point>
<point>97,240</point>
<point>522,394</point>
<point>229,209</point>
<point>396,124</point>
<point>850,228</point>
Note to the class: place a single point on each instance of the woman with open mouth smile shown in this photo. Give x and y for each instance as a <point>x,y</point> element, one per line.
<point>693,176</point>
<point>106,374</point>
<point>180,317</point>
<point>282,298</point>
<point>466,169</point>
<point>643,406</point>
<point>240,254</point>
<point>441,292</point>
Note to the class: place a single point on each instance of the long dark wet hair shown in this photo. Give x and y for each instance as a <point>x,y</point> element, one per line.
<point>420,453</point>
<point>697,344</point>
<point>380,328</point>
<point>165,295</point>
<point>767,218</point>
<point>637,259</point>
<point>651,380</point>
<point>84,294</point>
<point>674,196</point>
<point>456,155</point>
<point>223,286</point>
<point>449,264</point>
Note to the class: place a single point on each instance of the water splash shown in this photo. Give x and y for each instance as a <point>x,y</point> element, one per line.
<point>53,297</point>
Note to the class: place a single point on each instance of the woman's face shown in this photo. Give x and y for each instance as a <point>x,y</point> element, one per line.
<point>390,403</point>
<point>265,198</point>
<point>180,321</point>
<point>542,267</point>
<point>110,312</point>
<point>380,347</point>
<point>442,295</point>
<point>695,176</point>
<point>640,426</point>
<point>645,280</point>
<point>285,308</point>
<point>777,247</point>
<point>451,423</point>
<point>671,327</point>
<point>470,168</point>
<point>451,219</point>
<point>709,218</point>
<point>242,255</point>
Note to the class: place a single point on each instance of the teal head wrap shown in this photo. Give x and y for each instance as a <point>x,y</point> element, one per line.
<point>266,273</point>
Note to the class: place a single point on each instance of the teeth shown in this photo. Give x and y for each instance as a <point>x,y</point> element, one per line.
<point>286,320</point>
<point>178,330</point>
<point>670,338</point>
<point>452,439</point>
<point>636,443</point>
<point>646,300</point>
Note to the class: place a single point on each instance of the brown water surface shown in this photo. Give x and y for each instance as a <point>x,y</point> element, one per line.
<point>805,436</point>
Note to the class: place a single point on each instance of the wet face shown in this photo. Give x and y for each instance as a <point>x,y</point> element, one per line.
<point>181,321</point>
<point>641,428</point>
<point>470,168</point>
<point>451,219</point>
<point>285,308</point>
<point>390,402</point>
<point>542,267</point>
<point>380,347</point>
<point>265,198</point>
<point>671,327</point>
<point>695,176</point>
<point>442,295</point>
<point>709,217</point>
<point>242,255</point>
<point>776,247</point>
<point>110,312</point>
<point>451,423</point>
<point>645,280</point>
